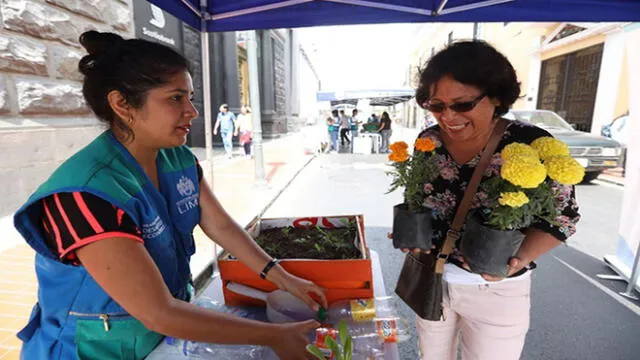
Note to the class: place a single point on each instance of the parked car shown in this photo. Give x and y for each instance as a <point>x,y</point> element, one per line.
<point>595,153</point>
<point>618,130</point>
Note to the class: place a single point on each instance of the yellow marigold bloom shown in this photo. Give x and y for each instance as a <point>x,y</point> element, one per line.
<point>513,199</point>
<point>524,171</point>
<point>400,156</point>
<point>518,149</point>
<point>399,146</point>
<point>425,145</point>
<point>548,147</point>
<point>564,169</point>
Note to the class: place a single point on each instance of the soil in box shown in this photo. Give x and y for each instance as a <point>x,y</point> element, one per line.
<point>310,243</point>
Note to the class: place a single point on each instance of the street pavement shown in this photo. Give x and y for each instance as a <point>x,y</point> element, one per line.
<point>575,316</point>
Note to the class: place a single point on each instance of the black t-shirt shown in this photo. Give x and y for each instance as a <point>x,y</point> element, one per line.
<point>386,124</point>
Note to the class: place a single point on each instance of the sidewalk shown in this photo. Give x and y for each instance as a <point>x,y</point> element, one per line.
<point>613,176</point>
<point>233,184</point>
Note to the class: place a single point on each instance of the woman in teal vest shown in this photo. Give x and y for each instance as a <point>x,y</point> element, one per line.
<point>112,227</point>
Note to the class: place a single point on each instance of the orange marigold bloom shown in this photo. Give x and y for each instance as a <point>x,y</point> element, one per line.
<point>399,156</point>
<point>399,146</point>
<point>425,145</point>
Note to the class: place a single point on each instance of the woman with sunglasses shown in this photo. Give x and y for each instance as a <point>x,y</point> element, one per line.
<point>467,87</point>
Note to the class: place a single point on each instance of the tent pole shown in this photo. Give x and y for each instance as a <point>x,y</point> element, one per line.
<point>254,99</point>
<point>443,3</point>
<point>206,101</point>
<point>206,87</point>
<point>635,272</point>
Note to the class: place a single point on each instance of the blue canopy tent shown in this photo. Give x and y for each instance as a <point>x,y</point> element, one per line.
<point>235,15</point>
<point>230,15</point>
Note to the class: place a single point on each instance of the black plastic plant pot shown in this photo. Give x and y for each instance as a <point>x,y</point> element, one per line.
<point>411,230</point>
<point>487,250</point>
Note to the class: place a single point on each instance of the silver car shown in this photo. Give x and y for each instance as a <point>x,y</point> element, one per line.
<point>596,153</point>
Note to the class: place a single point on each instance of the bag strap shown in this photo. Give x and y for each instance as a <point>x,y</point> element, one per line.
<point>454,232</point>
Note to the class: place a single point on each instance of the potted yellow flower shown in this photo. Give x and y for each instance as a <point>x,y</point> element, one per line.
<point>523,193</point>
<point>411,220</point>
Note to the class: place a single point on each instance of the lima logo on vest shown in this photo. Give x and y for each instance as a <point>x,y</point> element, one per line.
<point>187,189</point>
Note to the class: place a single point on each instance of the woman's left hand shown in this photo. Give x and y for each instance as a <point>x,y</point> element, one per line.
<point>515,264</point>
<point>301,289</point>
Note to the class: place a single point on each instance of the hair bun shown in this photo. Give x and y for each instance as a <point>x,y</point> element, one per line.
<point>98,42</point>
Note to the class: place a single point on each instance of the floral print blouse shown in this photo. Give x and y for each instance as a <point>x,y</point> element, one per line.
<point>447,190</point>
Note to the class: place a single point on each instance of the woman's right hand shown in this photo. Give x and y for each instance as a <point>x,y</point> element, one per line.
<point>413,250</point>
<point>292,339</point>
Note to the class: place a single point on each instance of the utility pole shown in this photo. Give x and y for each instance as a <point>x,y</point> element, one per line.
<point>254,99</point>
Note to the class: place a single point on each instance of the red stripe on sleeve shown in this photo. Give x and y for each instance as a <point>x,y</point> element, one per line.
<point>119,216</point>
<point>56,231</point>
<point>44,226</point>
<point>95,225</point>
<point>63,213</point>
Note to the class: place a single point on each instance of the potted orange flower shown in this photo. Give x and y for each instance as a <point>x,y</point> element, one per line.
<point>411,220</point>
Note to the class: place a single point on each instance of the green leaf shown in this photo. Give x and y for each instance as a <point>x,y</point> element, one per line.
<point>348,349</point>
<point>343,331</point>
<point>315,351</point>
<point>299,241</point>
<point>333,345</point>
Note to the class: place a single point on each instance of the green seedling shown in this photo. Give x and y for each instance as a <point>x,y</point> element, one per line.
<point>341,351</point>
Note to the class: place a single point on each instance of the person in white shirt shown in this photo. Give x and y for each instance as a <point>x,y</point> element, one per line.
<point>244,128</point>
<point>345,127</point>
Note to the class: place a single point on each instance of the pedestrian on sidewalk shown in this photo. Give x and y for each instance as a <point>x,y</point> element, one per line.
<point>333,124</point>
<point>245,129</point>
<point>226,122</point>
<point>345,127</point>
<point>355,124</point>
<point>385,132</point>
<point>468,87</point>
<point>113,225</point>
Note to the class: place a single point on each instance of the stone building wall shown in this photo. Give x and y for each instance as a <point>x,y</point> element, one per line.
<point>273,82</point>
<point>43,116</point>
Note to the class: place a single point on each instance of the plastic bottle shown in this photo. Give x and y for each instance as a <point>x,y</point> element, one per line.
<point>360,310</point>
<point>368,337</point>
<point>387,330</point>
<point>363,347</point>
<point>236,352</point>
<point>196,350</point>
<point>187,349</point>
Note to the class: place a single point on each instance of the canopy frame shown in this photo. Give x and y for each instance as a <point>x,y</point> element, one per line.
<point>364,3</point>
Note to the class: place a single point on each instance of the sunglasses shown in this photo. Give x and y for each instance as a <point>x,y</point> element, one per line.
<point>458,107</point>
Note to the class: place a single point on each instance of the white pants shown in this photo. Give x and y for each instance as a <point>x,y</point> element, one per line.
<point>491,319</point>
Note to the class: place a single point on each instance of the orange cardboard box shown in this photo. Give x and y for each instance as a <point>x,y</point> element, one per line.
<point>342,279</point>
